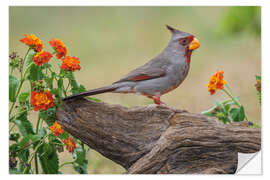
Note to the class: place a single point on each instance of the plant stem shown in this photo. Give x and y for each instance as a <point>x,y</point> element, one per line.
<point>21,83</point>
<point>234,100</point>
<point>64,90</point>
<point>11,71</point>
<point>37,126</point>
<point>36,158</point>
<point>36,163</point>
<point>211,109</point>
<point>68,85</point>
<point>22,112</point>
<point>66,164</point>
<point>24,61</point>
<point>33,155</point>
<point>17,93</point>
<point>11,128</point>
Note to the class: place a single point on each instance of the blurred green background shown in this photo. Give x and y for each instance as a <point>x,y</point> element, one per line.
<point>111,41</point>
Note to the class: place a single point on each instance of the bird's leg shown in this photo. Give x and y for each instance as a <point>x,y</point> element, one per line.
<point>157,100</point>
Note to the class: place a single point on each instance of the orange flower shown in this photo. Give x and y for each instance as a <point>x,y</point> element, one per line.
<point>41,100</point>
<point>42,57</point>
<point>258,85</point>
<point>56,128</point>
<point>33,42</point>
<point>71,146</point>
<point>59,47</point>
<point>70,63</point>
<point>216,82</point>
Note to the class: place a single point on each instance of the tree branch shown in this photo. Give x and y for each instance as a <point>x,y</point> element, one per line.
<point>156,139</point>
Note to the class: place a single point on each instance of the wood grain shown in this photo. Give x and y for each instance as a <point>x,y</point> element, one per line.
<point>157,139</point>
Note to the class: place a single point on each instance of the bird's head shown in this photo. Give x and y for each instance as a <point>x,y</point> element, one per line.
<point>182,42</point>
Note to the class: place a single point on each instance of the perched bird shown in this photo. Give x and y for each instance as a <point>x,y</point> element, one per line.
<point>160,75</point>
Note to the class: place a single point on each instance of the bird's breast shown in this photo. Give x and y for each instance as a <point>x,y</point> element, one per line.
<point>176,76</point>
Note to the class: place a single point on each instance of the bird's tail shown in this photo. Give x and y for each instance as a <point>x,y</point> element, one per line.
<point>92,92</point>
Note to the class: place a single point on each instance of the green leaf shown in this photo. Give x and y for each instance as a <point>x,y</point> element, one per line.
<point>24,155</point>
<point>227,107</point>
<point>60,84</point>
<point>48,159</point>
<point>13,86</point>
<point>14,137</point>
<point>52,139</point>
<point>46,65</point>
<point>29,58</point>
<point>75,86</point>
<point>221,106</point>
<point>237,114</point>
<point>79,155</point>
<point>35,138</point>
<point>234,114</point>
<point>35,73</point>
<point>26,139</point>
<point>258,77</point>
<point>23,96</point>
<point>24,126</point>
<point>49,116</point>
<point>49,80</point>
<point>80,162</point>
<point>42,132</point>
<point>82,169</point>
<point>22,166</point>
<point>66,74</point>
<point>13,148</point>
<point>242,114</point>
<point>237,98</point>
<point>64,135</point>
<point>14,171</point>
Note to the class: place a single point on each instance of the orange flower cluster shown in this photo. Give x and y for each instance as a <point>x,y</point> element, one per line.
<point>42,57</point>
<point>41,100</point>
<point>70,63</point>
<point>59,47</point>
<point>216,82</point>
<point>33,42</point>
<point>56,128</point>
<point>70,144</point>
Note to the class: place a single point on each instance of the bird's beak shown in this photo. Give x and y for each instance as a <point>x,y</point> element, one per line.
<point>194,44</point>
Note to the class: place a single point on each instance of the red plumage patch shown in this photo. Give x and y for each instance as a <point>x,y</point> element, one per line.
<point>140,78</point>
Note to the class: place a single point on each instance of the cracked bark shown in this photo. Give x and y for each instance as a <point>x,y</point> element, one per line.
<point>155,139</point>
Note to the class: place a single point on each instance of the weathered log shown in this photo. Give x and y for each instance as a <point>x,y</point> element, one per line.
<point>156,139</point>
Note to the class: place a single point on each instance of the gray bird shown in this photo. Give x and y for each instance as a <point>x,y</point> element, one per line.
<point>160,75</point>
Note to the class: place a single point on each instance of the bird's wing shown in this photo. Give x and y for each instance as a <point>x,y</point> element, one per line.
<point>143,73</point>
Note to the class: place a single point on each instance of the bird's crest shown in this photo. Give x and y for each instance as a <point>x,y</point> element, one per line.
<point>173,30</point>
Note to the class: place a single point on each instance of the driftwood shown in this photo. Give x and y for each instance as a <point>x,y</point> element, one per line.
<point>156,139</point>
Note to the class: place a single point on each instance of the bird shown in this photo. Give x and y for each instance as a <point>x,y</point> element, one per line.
<point>160,75</point>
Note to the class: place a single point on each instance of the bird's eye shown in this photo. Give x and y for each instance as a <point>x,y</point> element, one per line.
<point>183,42</point>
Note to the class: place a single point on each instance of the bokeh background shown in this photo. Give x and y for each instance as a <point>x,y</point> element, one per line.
<point>111,41</point>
